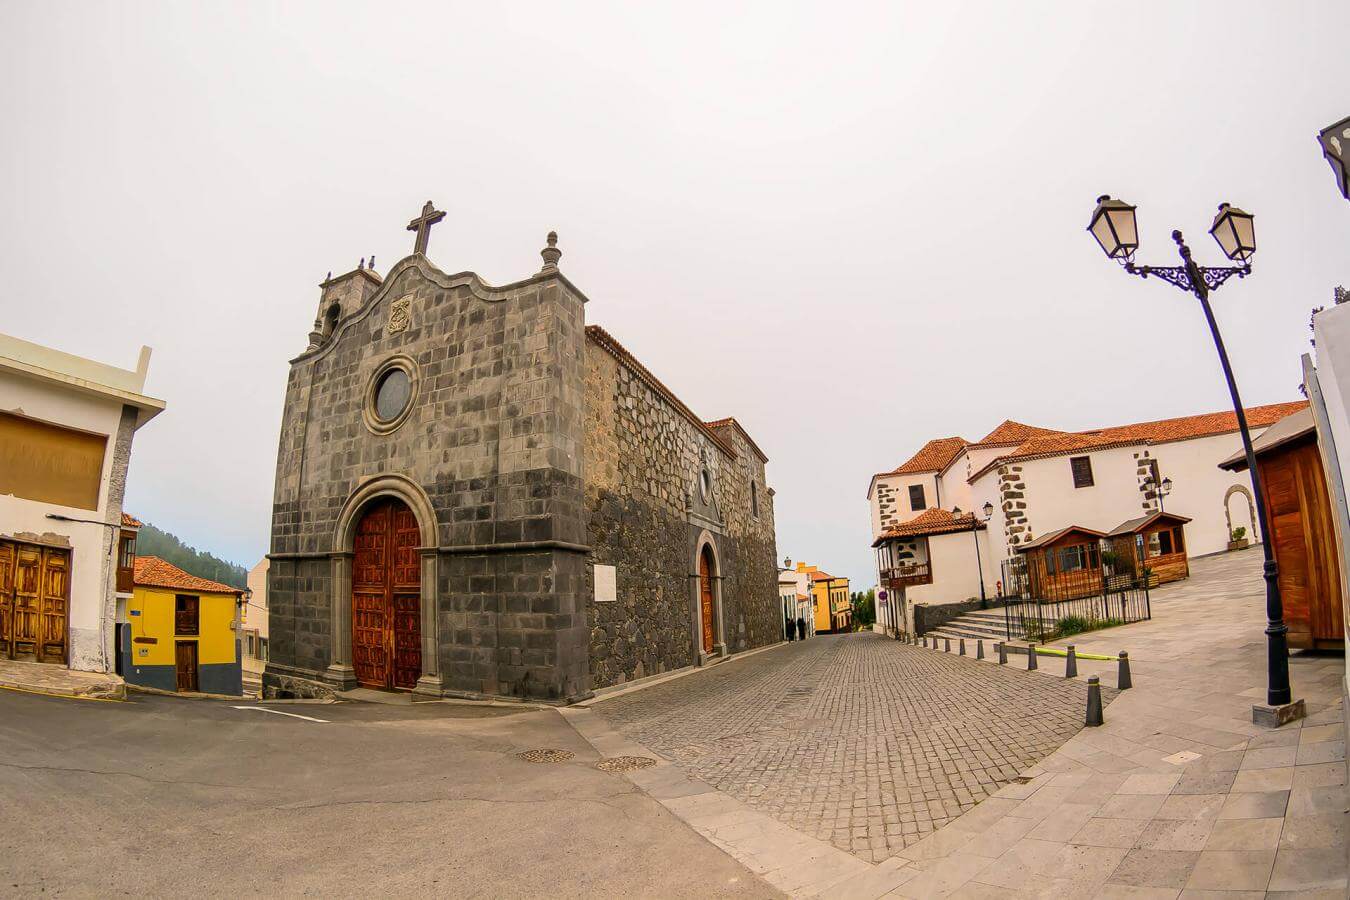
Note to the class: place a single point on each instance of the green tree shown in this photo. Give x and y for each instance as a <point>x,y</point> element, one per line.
<point>864,608</point>
<point>151,541</point>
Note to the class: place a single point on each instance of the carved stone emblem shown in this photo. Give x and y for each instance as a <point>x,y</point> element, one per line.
<point>399,316</point>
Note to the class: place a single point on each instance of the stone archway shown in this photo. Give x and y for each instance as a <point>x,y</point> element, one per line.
<point>706,600</point>
<point>340,670</point>
<point>1251,511</point>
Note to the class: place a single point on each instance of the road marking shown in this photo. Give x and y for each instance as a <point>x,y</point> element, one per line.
<point>277,712</point>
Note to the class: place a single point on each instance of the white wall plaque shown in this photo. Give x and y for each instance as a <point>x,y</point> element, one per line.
<point>605,589</point>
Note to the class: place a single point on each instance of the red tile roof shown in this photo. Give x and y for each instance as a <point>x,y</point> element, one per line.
<point>934,456</point>
<point>730,422</point>
<point>821,576</point>
<point>604,340</point>
<point>131,521</point>
<point>1011,433</point>
<point>930,522</point>
<point>1054,443</point>
<point>151,571</point>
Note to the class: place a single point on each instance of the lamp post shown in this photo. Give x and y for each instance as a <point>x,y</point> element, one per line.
<point>1159,490</point>
<point>1113,226</point>
<point>975,522</point>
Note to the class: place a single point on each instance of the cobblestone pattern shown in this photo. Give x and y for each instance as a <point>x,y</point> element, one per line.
<point>643,460</point>
<point>856,739</point>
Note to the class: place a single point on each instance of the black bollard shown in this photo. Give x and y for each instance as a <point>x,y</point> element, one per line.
<point>979,649</point>
<point>1002,653</point>
<point>1071,664</point>
<point>946,645</point>
<point>1094,703</point>
<point>963,647</point>
<point>1031,655</point>
<point>1123,678</point>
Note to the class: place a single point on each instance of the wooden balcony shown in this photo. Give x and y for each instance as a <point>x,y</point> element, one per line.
<point>907,575</point>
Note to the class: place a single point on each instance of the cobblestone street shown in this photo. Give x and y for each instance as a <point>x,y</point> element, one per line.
<point>855,739</point>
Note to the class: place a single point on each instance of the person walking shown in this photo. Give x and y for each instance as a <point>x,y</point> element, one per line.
<point>801,628</point>
<point>791,629</point>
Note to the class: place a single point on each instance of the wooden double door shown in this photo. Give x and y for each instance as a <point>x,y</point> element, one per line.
<point>706,598</point>
<point>34,602</point>
<point>387,597</point>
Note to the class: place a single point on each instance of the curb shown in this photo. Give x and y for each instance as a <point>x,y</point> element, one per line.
<point>110,693</point>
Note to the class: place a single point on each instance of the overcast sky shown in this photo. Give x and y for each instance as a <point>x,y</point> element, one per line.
<point>853,227</point>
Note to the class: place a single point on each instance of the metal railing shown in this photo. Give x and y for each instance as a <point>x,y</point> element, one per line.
<point>1042,607</point>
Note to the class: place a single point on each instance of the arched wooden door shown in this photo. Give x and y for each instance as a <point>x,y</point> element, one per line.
<point>705,596</point>
<point>387,597</point>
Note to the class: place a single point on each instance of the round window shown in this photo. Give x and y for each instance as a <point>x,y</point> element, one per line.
<point>392,394</point>
<point>389,395</point>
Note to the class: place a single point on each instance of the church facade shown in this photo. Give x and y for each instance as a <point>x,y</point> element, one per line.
<point>479,495</point>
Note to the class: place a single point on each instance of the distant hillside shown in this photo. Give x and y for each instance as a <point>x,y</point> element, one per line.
<point>153,542</point>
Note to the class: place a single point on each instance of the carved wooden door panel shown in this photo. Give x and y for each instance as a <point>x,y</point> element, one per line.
<point>27,600</point>
<point>406,597</point>
<point>53,606</point>
<point>386,597</point>
<point>370,612</point>
<point>7,551</point>
<point>705,591</point>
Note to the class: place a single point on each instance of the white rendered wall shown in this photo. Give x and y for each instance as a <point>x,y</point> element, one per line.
<point>955,573</point>
<point>1198,488</point>
<point>1331,331</point>
<point>91,609</point>
<point>902,511</point>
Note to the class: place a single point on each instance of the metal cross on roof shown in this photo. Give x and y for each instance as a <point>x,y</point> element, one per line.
<point>422,225</point>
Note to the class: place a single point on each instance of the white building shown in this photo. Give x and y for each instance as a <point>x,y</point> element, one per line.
<point>794,594</point>
<point>928,515</point>
<point>253,637</point>
<point>66,427</point>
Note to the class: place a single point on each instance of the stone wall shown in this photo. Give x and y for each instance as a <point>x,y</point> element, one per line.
<point>930,616</point>
<point>1012,497</point>
<point>493,442</point>
<point>644,455</point>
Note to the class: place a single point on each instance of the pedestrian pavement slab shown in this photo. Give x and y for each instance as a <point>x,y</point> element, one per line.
<point>59,681</point>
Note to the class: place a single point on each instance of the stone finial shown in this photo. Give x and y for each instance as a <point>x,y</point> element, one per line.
<point>551,253</point>
<point>372,262</point>
<point>361,265</point>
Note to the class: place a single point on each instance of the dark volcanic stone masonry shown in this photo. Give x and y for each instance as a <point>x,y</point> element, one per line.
<point>533,449</point>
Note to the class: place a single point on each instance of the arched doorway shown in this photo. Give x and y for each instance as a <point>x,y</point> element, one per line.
<point>1247,521</point>
<point>707,568</point>
<point>387,596</point>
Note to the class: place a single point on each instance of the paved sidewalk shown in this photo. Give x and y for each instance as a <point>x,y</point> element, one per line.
<point>1178,794</point>
<point>58,681</point>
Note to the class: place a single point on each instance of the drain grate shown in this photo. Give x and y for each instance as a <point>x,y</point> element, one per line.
<point>545,755</point>
<point>625,763</point>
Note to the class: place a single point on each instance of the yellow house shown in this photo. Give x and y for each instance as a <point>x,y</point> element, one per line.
<point>829,599</point>
<point>183,631</point>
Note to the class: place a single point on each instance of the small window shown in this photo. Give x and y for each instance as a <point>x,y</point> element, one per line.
<point>1178,541</point>
<point>1165,542</point>
<point>126,551</point>
<point>916,497</point>
<point>1082,471</point>
<point>185,614</point>
<point>754,499</point>
<point>1154,544</point>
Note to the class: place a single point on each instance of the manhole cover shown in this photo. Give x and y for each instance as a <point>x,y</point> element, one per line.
<point>625,763</point>
<point>546,755</point>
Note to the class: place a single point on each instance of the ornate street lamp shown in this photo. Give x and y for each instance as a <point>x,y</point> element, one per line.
<point>975,521</point>
<point>1335,141</point>
<point>1235,233</point>
<point>1159,490</point>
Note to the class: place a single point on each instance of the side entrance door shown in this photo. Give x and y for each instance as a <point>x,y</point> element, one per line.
<point>387,597</point>
<point>34,601</point>
<point>185,662</point>
<point>705,593</point>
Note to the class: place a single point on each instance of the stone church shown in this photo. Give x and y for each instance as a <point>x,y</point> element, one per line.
<point>479,495</point>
